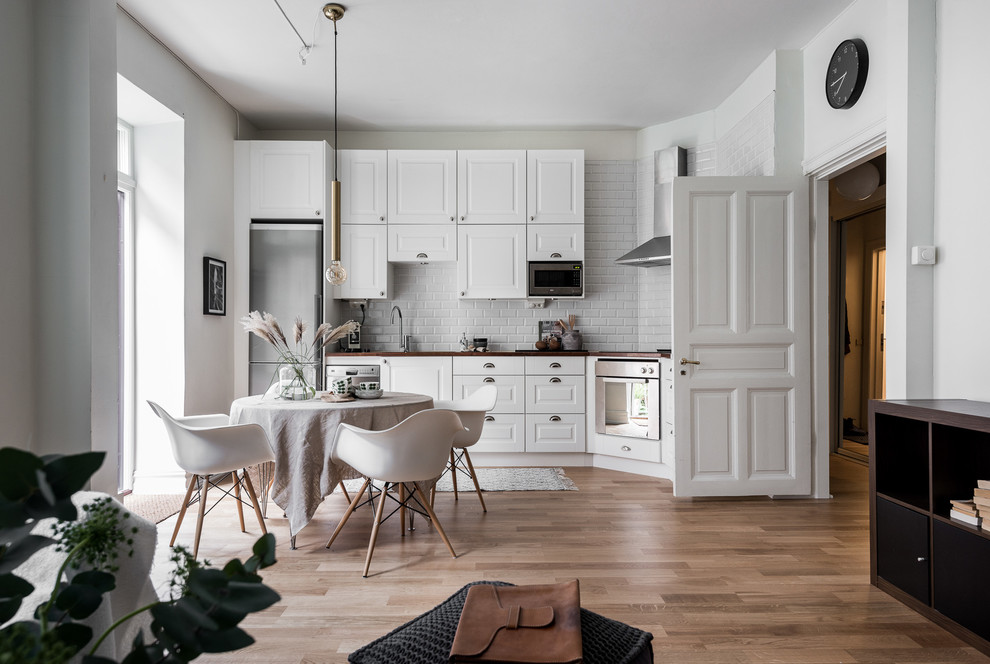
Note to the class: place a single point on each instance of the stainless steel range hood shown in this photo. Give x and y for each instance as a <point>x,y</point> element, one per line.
<point>668,164</point>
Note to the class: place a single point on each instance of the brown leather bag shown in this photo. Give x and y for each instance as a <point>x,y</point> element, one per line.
<point>537,624</point>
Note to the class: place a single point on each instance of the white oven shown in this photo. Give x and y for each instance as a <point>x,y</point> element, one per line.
<point>627,398</point>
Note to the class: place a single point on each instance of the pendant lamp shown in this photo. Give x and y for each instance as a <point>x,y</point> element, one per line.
<point>335,274</point>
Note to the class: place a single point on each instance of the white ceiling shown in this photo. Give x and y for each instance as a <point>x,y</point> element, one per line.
<point>465,65</point>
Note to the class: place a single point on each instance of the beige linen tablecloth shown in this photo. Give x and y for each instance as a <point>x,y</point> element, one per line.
<point>301,434</point>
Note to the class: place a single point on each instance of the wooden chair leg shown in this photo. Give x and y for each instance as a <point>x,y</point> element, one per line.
<point>374,529</point>
<point>348,512</point>
<point>343,488</point>
<point>182,511</point>
<point>436,521</point>
<point>474,476</point>
<point>453,471</point>
<point>202,513</point>
<point>237,496</point>
<point>254,501</point>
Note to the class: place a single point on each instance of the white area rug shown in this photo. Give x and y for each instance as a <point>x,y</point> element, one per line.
<point>502,479</point>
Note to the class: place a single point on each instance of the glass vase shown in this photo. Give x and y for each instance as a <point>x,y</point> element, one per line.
<point>297,382</point>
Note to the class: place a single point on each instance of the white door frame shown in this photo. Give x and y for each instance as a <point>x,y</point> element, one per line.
<point>851,154</point>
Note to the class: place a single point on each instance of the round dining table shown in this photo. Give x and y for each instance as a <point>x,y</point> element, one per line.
<point>301,434</point>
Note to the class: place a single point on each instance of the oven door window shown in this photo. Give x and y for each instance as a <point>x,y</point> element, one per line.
<point>627,407</point>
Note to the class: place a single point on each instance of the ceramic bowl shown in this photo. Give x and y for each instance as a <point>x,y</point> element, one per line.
<point>368,394</point>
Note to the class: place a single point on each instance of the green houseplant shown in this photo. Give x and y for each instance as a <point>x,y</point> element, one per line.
<point>206,604</point>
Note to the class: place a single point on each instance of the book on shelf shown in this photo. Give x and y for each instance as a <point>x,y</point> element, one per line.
<point>965,518</point>
<point>982,493</point>
<point>981,502</point>
<point>967,506</point>
<point>983,484</point>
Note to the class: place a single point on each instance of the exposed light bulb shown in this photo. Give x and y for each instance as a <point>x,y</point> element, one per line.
<point>336,274</point>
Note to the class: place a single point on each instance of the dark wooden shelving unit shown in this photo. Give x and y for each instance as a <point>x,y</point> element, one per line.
<point>924,453</point>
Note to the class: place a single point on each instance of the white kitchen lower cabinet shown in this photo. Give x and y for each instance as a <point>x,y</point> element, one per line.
<point>503,432</point>
<point>555,433</point>
<point>554,394</point>
<point>420,375</point>
<point>638,449</point>
<point>511,390</point>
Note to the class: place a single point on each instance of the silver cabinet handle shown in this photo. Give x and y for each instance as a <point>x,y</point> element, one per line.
<point>488,365</point>
<point>532,218</point>
<point>554,380</point>
<point>488,380</point>
<point>555,255</point>
<point>555,365</point>
<point>451,218</point>
<point>317,213</point>
<point>421,255</point>
<point>462,293</point>
<point>626,448</point>
<point>555,418</point>
<point>381,218</point>
<point>462,218</point>
<point>684,360</point>
<point>489,418</point>
<point>384,360</point>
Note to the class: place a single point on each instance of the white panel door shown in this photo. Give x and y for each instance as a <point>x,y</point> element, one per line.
<point>421,375</point>
<point>491,186</point>
<point>491,261</point>
<point>422,186</point>
<point>363,255</point>
<point>741,336</point>
<point>363,176</point>
<point>555,186</point>
<point>287,179</point>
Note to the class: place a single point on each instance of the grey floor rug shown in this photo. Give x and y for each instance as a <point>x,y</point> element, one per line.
<point>503,479</point>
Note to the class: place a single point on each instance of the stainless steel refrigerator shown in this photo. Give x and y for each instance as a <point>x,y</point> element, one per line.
<point>286,281</point>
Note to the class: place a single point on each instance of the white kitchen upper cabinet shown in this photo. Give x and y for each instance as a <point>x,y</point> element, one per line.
<point>491,261</point>
<point>364,256</point>
<point>429,243</point>
<point>491,186</point>
<point>555,242</point>
<point>363,176</point>
<point>422,186</point>
<point>419,375</point>
<point>555,186</point>
<point>288,179</point>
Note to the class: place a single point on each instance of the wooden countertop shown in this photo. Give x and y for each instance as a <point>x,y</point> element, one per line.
<point>503,353</point>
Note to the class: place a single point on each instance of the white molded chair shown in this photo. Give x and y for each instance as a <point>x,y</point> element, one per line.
<point>472,411</point>
<point>205,445</point>
<point>414,450</point>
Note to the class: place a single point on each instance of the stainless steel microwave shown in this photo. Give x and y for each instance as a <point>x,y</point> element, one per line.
<point>556,279</point>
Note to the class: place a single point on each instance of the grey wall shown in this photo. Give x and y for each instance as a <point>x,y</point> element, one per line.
<point>17,294</point>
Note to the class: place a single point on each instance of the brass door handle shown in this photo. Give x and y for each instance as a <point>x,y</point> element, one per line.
<point>488,365</point>
<point>555,380</point>
<point>489,418</point>
<point>488,380</point>
<point>555,418</point>
<point>684,360</point>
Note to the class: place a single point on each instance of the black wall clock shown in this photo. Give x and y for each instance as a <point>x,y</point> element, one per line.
<point>846,75</point>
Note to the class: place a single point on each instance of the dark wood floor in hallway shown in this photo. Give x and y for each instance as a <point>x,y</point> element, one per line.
<point>736,581</point>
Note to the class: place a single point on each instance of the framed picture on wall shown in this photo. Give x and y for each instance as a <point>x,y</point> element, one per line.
<point>214,286</point>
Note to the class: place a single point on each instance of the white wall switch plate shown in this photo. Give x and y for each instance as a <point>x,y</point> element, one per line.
<point>924,255</point>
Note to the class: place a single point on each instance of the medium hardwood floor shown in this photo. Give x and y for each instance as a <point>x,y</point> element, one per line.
<point>715,581</point>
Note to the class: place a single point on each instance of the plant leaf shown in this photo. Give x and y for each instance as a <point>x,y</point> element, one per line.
<point>73,634</point>
<point>84,594</point>
<point>70,473</point>
<point>233,638</point>
<point>101,581</point>
<point>18,478</point>
<point>13,590</point>
<point>264,550</point>
<point>249,597</point>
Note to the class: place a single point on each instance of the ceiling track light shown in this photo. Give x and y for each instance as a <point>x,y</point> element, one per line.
<point>336,274</point>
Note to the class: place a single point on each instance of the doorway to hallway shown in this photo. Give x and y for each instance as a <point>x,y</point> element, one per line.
<point>857,210</point>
